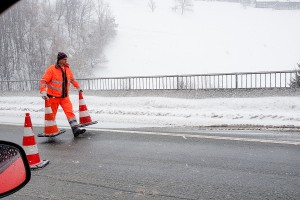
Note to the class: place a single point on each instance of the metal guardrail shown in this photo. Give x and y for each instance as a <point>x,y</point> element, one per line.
<point>25,85</point>
<point>244,80</point>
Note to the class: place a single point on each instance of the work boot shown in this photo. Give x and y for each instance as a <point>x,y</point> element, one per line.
<point>77,131</point>
<point>74,125</point>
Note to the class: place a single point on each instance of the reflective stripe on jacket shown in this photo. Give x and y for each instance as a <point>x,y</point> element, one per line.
<point>52,81</point>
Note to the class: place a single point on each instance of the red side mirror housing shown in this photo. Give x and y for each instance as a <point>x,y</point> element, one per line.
<point>5,4</point>
<point>15,172</point>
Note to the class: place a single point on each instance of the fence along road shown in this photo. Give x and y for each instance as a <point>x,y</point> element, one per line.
<point>243,80</point>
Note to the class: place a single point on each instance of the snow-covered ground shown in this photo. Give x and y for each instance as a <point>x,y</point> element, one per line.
<point>125,112</point>
<point>215,37</point>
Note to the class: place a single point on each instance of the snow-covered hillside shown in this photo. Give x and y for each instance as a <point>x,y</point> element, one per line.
<point>214,37</point>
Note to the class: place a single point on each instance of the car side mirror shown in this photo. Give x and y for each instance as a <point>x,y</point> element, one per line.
<point>14,168</point>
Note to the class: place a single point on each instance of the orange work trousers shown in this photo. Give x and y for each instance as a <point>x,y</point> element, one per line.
<point>66,105</point>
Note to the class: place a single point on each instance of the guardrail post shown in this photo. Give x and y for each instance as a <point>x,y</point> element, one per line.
<point>236,81</point>
<point>297,79</point>
<point>129,83</point>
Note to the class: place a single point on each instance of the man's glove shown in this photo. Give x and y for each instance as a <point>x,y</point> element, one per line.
<point>44,95</point>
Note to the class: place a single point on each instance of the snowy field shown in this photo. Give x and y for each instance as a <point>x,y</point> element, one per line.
<point>214,37</point>
<point>128,112</point>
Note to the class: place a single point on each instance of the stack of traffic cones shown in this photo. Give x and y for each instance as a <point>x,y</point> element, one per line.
<point>30,146</point>
<point>50,129</point>
<point>84,116</point>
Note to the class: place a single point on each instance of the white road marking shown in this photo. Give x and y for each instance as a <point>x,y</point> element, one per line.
<point>185,136</point>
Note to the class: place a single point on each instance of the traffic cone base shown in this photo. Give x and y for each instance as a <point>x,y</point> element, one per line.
<point>51,135</point>
<point>87,124</point>
<point>41,165</point>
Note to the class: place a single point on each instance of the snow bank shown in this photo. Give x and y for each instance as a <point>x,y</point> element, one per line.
<point>123,112</point>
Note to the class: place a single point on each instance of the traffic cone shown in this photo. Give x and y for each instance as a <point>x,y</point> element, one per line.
<point>84,116</point>
<point>30,146</point>
<point>50,129</point>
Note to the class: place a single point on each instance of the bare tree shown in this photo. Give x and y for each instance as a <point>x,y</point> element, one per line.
<point>182,5</point>
<point>33,31</point>
<point>152,5</point>
<point>21,42</point>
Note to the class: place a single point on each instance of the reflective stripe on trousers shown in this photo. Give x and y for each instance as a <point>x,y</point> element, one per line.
<point>73,122</point>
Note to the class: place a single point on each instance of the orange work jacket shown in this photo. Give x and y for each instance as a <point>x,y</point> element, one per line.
<point>55,84</point>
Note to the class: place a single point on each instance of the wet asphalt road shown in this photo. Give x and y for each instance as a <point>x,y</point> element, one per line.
<point>164,163</point>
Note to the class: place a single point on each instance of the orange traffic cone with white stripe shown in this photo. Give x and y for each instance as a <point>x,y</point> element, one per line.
<point>50,129</point>
<point>30,146</point>
<point>84,116</point>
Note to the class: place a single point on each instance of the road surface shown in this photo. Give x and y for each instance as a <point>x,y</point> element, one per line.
<point>164,163</point>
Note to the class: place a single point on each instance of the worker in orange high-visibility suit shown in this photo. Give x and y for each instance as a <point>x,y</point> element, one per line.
<point>54,86</point>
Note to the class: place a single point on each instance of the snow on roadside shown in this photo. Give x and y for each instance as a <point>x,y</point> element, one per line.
<point>124,112</point>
